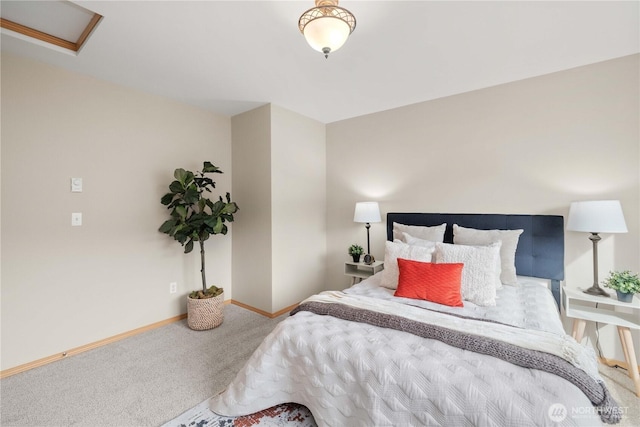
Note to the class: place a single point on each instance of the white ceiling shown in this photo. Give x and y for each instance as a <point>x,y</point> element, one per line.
<point>231,56</point>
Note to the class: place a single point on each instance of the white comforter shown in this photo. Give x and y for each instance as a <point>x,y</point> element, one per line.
<point>352,374</point>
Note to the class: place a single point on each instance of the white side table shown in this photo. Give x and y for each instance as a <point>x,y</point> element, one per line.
<point>581,308</point>
<point>360,270</point>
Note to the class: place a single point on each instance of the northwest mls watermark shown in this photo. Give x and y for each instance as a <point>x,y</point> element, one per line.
<point>558,412</point>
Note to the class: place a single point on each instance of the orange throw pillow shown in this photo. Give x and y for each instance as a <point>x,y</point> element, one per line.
<point>439,283</point>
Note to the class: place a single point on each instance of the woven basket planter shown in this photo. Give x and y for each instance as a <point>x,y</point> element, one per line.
<point>203,314</point>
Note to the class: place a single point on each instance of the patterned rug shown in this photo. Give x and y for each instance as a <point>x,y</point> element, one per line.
<point>288,414</point>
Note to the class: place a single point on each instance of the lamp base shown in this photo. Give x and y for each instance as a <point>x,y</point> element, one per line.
<point>596,290</point>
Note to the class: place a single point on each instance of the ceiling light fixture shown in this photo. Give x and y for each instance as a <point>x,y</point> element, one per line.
<point>327,26</point>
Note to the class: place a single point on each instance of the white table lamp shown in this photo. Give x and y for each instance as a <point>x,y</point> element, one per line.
<point>367,212</point>
<point>600,216</point>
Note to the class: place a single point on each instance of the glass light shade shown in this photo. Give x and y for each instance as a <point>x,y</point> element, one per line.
<point>367,212</point>
<point>326,32</point>
<point>600,216</point>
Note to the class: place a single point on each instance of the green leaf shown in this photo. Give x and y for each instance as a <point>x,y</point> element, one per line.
<point>230,208</point>
<point>205,183</point>
<point>176,187</point>
<point>191,195</point>
<point>179,229</point>
<point>211,221</point>
<point>182,236</point>
<point>167,226</point>
<point>208,167</point>
<point>184,176</point>
<point>181,211</point>
<point>167,198</point>
<point>197,220</point>
<point>188,247</point>
<point>217,227</point>
<point>179,174</point>
<point>216,208</point>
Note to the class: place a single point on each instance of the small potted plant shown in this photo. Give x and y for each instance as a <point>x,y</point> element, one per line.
<point>355,251</point>
<point>625,283</point>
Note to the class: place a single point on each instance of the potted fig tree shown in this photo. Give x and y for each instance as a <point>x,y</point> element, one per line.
<point>195,218</point>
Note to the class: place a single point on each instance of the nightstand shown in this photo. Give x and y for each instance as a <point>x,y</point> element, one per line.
<point>582,308</point>
<point>360,270</point>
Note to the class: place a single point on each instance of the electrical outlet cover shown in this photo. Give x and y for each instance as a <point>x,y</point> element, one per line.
<point>76,219</point>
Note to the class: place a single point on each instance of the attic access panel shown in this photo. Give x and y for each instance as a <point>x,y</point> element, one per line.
<point>56,22</point>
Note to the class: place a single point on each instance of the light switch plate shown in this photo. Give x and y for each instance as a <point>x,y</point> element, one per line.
<point>76,219</point>
<point>76,185</point>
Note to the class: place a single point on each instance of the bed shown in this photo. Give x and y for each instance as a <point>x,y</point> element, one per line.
<point>480,345</point>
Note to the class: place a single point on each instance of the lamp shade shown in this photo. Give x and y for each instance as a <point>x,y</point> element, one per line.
<point>326,32</point>
<point>367,212</point>
<point>600,216</point>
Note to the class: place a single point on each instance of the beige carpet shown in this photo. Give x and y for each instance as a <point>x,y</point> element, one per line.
<point>623,391</point>
<point>145,380</point>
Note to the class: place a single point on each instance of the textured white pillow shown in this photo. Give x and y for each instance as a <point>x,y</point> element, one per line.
<point>509,239</point>
<point>410,240</point>
<point>434,233</point>
<point>395,250</point>
<point>478,274</point>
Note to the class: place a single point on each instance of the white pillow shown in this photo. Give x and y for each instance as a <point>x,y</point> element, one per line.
<point>434,233</point>
<point>395,250</point>
<point>410,240</point>
<point>479,272</point>
<point>509,239</point>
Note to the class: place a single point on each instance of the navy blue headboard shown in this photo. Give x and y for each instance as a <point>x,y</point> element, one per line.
<point>540,251</point>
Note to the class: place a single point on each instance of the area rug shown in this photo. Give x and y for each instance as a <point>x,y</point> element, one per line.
<point>288,414</point>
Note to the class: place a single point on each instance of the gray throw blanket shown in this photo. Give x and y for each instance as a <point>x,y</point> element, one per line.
<point>596,391</point>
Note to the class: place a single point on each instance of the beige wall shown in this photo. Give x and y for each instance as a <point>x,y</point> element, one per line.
<point>279,165</point>
<point>252,257</point>
<point>298,182</point>
<point>65,286</point>
<point>529,147</point>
